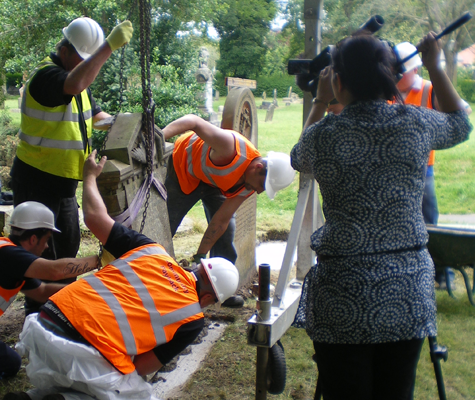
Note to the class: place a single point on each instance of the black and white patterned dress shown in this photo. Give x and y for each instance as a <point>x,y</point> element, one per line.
<point>374,281</point>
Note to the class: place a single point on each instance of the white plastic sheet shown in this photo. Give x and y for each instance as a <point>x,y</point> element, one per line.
<point>57,362</point>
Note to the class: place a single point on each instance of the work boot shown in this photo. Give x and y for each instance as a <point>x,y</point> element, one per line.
<point>233,302</point>
<point>16,396</point>
<point>55,396</point>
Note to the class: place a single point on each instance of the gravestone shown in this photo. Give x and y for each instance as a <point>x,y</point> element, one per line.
<point>288,100</point>
<point>275,98</point>
<point>264,95</point>
<point>265,105</point>
<point>240,114</point>
<point>125,171</point>
<point>270,113</point>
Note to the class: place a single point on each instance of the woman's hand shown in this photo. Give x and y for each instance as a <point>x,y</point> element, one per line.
<point>430,51</point>
<point>324,89</point>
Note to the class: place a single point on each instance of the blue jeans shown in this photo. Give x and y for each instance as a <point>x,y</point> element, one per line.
<point>10,361</point>
<point>179,203</point>
<point>430,211</point>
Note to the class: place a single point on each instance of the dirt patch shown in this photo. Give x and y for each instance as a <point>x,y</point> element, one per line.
<point>275,235</point>
<point>11,323</point>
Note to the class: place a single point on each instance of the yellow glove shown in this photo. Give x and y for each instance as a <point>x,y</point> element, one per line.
<point>106,258</point>
<point>120,35</point>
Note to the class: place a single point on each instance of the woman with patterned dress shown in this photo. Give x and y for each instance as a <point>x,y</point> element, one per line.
<point>369,302</point>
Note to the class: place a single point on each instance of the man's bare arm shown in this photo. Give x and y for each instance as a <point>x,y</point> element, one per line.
<point>220,140</point>
<point>43,292</point>
<point>62,268</point>
<point>94,209</point>
<point>219,223</point>
<point>82,76</point>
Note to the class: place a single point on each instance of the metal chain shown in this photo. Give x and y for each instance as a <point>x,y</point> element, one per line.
<point>121,90</point>
<point>122,62</point>
<point>148,105</point>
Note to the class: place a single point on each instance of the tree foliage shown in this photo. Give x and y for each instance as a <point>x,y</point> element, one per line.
<point>242,27</point>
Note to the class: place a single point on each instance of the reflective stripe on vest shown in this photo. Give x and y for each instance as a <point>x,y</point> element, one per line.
<point>7,296</point>
<point>158,321</point>
<point>52,143</point>
<point>51,139</point>
<point>192,164</point>
<point>132,305</point>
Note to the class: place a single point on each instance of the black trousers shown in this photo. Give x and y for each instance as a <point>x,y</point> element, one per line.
<point>385,371</point>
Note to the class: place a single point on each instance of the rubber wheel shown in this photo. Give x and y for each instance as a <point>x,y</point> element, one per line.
<point>276,369</point>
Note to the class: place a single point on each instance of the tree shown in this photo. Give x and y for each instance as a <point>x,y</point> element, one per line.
<point>242,27</point>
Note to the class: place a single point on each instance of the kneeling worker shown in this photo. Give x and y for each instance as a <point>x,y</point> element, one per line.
<point>21,267</point>
<point>101,334</point>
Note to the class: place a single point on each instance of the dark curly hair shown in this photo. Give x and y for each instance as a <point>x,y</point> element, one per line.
<point>365,66</point>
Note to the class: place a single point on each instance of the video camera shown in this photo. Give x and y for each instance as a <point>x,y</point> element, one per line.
<point>307,71</point>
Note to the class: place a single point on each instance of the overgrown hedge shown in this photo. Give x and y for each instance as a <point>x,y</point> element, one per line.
<point>466,89</point>
<point>264,84</point>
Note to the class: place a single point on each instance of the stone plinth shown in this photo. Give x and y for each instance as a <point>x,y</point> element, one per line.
<point>124,172</point>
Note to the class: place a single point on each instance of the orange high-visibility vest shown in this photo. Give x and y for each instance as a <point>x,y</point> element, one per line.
<point>192,164</point>
<point>7,295</point>
<point>422,98</point>
<point>132,305</point>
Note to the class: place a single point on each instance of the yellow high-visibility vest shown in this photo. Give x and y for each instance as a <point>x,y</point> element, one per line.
<point>50,137</point>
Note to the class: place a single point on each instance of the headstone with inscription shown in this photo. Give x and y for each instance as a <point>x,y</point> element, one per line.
<point>240,115</point>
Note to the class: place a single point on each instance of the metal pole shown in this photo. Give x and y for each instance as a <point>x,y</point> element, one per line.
<point>313,219</point>
<point>261,372</point>
<point>436,354</point>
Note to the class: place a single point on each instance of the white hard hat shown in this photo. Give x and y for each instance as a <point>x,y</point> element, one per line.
<point>223,275</point>
<point>405,49</point>
<point>85,35</point>
<point>32,215</point>
<point>280,173</point>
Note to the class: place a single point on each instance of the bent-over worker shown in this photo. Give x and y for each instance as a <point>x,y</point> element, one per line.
<point>221,168</point>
